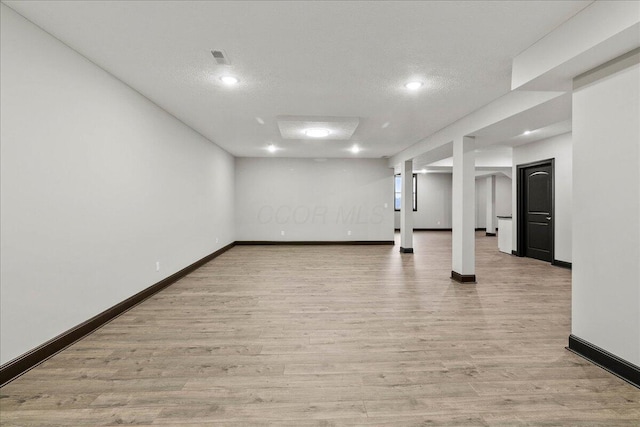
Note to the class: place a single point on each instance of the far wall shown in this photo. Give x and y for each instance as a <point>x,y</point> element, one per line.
<point>434,201</point>
<point>503,199</point>
<point>292,199</point>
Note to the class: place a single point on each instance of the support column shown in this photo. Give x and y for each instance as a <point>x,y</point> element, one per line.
<point>406,208</point>
<point>463,211</point>
<point>491,205</point>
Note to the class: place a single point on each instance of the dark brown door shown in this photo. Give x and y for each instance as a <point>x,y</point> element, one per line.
<point>538,202</point>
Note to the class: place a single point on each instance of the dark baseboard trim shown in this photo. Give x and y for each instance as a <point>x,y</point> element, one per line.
<point>563,264</point>
<point>514,253</point>
<point>21,364</point>
<point>429,229</point>
<point>608,361</point>
<point>446,229</point>
<point>406,250</point>
<point>463,278</point>
<point>314,242</point>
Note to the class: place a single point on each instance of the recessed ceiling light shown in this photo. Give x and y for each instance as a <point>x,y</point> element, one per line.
<point>423,171</point>
<point>259,120</point>
<point>272,148</point>
<point>230,80</point>
<point>526,132</point>
<point>385,125</point>
<point>355,149</point>
<point>317,132</point>
<point>414,85</point>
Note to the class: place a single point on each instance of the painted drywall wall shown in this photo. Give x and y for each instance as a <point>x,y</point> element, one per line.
<point>558,148</point>
<point>503,199</point>
<point>434,201</point>
<point>98,184</point>
<point>286,199</point>
<point>606,208</point>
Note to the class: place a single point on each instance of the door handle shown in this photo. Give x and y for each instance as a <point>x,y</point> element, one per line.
<point>548,218</point>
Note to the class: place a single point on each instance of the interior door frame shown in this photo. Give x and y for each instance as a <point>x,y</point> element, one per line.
<point>520,240</point>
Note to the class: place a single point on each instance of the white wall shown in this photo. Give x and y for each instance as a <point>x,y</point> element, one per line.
<point>97,185</point>
<point>434,201</point>
<point>313,201</point>
<point>606,211</point>
<point>558,148</point>
<point>503,199</point>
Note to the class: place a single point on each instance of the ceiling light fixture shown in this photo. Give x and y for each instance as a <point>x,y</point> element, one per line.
<point>272,148</point>
<point>230,80</point>
<point>526,132</point>
<point>355,149</point>
<point>259,120</point>
<point>414,85</point>
<point>317,132</point>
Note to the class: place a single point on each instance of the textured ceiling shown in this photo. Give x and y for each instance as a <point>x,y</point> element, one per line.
<point>307,59</point>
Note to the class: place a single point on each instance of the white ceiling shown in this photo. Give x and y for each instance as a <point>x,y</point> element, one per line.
<point>338,59</point>
<point>495,156</point>
<point>543,121</point>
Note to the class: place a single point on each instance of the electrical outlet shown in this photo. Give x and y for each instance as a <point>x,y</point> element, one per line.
<point>438,222</point>
<point>282,233</point>
<point>386,205</point>
<point>217,240</point>
<point>349,233</point>
<point>157,265</point>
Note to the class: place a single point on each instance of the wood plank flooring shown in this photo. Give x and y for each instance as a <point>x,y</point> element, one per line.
<point>334,335</point>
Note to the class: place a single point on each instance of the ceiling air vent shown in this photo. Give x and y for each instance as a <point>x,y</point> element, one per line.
<point>220,57</point>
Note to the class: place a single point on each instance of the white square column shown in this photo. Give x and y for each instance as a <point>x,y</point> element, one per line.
<point>406,208</point>
<point>491,205</point>
<point>463,211</point>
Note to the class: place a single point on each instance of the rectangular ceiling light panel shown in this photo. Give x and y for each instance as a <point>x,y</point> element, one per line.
<point>340,128</point>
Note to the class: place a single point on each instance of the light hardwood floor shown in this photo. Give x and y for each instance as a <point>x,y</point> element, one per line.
<point>334,335</point>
